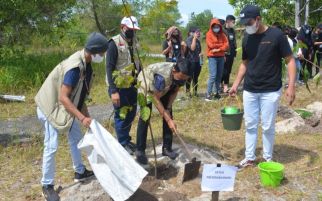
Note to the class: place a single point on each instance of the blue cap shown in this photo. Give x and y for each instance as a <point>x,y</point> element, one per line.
<point>96,43</point>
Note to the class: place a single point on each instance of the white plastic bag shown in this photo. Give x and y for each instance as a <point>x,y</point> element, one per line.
<point>117,172</point>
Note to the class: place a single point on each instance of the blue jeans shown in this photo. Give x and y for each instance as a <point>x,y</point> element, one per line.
<point>128,97</point>
<point>298,68</point>
<point>264,105</point>
<point>216,67</point>
<point>51,146</point>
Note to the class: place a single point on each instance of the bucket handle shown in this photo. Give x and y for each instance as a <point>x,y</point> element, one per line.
<point>237,99</point>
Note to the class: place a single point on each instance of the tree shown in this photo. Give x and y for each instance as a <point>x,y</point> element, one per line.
<point>20,20</point>
<point>159,16</point>
<point>200,20</point>
<point>280,10</point>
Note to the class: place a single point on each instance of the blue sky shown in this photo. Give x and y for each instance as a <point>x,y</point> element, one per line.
<point>219,8</point>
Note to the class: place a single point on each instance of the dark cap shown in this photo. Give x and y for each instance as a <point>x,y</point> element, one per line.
<point>193,29</point>
<point>96,43</point>
<point>249,12</point>
<point>183,66</point>
<point>222,21</point>
<point>230,17</point>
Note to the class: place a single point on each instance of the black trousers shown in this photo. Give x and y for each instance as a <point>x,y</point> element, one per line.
<point>227,68</point>
<point>142,129</point>
<point>318,62</point>
<point>305,64</point>
<point>196,69</point>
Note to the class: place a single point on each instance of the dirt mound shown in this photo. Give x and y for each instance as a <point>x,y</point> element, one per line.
<point>166,187</point>
<point>294,123</point>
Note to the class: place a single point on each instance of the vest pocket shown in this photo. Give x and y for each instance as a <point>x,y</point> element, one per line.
<point>61,117</point>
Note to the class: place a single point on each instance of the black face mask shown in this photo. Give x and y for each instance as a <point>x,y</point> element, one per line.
<point>179,83</point>
<point>129,34</point>
<point>176,37</point>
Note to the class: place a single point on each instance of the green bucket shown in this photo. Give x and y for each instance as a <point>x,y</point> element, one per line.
<point>232,118</point>
<point>231,110</point>
<point>271,173</point>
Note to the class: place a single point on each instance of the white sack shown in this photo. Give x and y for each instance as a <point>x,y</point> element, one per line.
<point>117,172</point>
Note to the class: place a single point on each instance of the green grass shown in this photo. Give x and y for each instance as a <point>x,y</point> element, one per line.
<point>198,122</point>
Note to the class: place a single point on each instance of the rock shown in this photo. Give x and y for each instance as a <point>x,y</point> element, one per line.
<point>316,108</point>
<point>286,112</point>
<point>312,121</point>
<point>89,191</point>
<point>289,125</point>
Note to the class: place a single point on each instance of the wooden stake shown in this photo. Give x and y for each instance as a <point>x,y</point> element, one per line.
<point>215,194</point>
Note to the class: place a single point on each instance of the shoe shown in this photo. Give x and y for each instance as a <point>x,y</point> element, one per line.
<point>82,177</point>
<point>130,148</point>
<point>245,163</point>
<point>300,83</point>
<point>217,96</point>
<point>170,153</point>
<point>208,98</point>
<point>141,157</point>
<point>49,193</point>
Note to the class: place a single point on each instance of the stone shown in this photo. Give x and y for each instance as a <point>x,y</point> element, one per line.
<point>289,125</point>
<point>316,108</point>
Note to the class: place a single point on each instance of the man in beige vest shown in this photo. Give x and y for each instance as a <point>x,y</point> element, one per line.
<point>60,107</point>
<point>163,81</point>
<point>120,57</point>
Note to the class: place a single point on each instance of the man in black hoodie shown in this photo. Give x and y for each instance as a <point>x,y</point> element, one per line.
<point>231,52</point>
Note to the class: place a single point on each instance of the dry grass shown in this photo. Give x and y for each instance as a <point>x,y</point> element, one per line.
<point>199,122</point>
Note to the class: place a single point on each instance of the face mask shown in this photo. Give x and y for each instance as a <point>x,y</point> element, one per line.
<point>129,34</point>
<point>216,30</point>
<point>96,58</point>
<point>252,29</point>
<point>179,83</point>
<point>175,37</point>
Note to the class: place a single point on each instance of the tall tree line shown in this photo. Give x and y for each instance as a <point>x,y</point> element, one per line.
<point>22,21</point>
<point>290,12</point>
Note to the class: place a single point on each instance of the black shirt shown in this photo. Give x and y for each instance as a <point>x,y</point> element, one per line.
<point>193,56</point>
<point>176,47</point>
<point>231,36</point>
<point>317,37</point>
<point>85,89</point>
<point>264,53</point>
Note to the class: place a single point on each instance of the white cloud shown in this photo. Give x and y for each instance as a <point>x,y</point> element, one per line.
<point>184,19</point>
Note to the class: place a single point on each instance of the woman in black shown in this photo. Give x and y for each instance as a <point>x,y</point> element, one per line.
<point>173,47</point>
<point>193,54</point>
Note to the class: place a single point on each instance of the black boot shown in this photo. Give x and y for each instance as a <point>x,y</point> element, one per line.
<point>170,153</point>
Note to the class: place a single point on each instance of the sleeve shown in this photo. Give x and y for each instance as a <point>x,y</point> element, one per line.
<point>210,43</point>
<point>165,45</point>
<point>225,44</point>
<point>244,52</point>
<point>283,46</point>
<point>111,59</point>
<point>71,78</point>
<point>159,82</point>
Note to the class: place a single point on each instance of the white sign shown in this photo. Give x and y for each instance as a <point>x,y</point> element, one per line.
<point>218,178</point>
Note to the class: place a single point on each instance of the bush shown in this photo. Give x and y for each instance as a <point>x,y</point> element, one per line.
<point>21,72</point>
